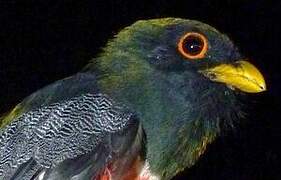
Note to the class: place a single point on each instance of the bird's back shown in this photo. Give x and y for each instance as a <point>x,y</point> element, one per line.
<point>67,120</point>
<point>61,90</point>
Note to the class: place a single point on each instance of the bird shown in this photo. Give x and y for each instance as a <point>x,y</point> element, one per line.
<point>145,108</point>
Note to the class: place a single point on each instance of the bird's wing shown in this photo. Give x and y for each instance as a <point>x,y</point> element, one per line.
<point>72,138</point>
<point>61,90</point>
<point>67,138</point>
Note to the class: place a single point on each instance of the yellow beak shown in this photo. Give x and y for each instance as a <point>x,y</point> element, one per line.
<point>241,75</point>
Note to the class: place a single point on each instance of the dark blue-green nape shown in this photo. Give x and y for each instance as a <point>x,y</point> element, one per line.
<point>177,104</point>
<point>181,111</point>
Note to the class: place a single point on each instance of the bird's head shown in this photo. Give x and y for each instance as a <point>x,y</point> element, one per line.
<point>182,79</point>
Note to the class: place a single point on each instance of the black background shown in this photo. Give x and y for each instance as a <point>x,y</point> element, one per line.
<point>43,41</point>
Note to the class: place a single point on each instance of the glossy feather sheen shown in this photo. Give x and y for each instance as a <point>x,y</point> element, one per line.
<point>145,71</point>
<point>167,112</point>
<point>58,132</point>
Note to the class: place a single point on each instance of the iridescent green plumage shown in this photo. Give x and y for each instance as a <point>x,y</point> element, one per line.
<point>128,73</point>
<point>180,110</point>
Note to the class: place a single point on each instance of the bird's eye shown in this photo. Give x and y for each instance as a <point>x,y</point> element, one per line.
<point>193,45</point>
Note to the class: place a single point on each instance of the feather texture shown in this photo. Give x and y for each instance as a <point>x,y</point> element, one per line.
<point>60,131</point>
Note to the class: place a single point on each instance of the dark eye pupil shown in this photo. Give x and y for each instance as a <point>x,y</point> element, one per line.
<point>193,45</point>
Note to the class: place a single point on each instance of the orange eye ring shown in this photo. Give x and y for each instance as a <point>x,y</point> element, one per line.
<point>193,45</point>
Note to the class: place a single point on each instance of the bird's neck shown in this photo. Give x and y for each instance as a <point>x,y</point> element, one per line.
<point>177,132</point>
<point>172,144</point>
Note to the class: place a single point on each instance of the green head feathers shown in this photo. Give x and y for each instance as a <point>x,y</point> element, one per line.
<point>181,109</point>
<point>175,75</point>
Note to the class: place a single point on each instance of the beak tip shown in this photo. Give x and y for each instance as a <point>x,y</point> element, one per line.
<point>263,88</point>
<point>262,84</point>
<point>243,76</point>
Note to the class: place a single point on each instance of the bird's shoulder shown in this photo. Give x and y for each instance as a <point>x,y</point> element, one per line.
<point>64,120</point>
<point>61,90</point>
